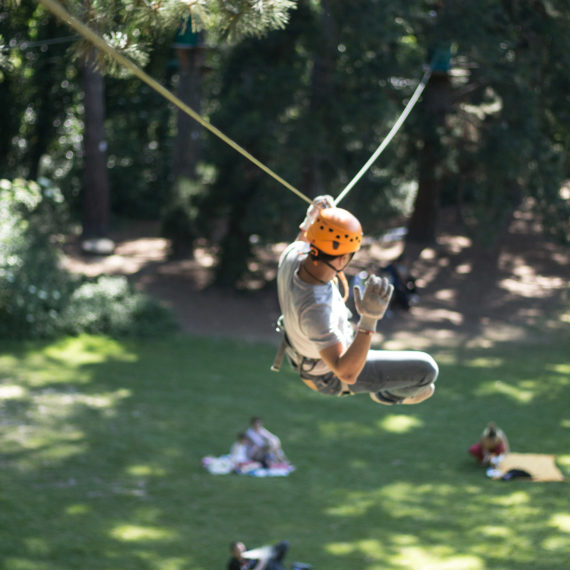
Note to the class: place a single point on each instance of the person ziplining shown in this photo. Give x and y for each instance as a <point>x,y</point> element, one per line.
<point>318,338</point>
<point>319,341</point>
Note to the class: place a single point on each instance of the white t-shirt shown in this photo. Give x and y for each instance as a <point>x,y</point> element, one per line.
<point>315,316</point>
<point>262,436</point>
<point>238,453</point>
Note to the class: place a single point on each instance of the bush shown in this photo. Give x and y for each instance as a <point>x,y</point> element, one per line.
<point>109,305</point>
<point>38,298</point>
<point>33,287</point>
<point>179,217</point>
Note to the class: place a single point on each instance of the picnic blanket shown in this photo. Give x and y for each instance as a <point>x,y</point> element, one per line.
<point>222,465</point>
<point>531,466</point>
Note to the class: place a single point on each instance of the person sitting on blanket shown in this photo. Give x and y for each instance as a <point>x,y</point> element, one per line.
<point>493,443</point>
<point>265,446</point>
<point>268,558</point>
<point>240,457</point>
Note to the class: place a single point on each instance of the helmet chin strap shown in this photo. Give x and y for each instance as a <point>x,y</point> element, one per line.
<point>344,282</point>
<point>340,274</point>
<point>329,264</point>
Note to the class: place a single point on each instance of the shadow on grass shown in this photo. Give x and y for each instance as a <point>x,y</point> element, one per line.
<point>101,444</point>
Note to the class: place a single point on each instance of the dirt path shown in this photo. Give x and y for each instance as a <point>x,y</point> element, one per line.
<point>468,295</point>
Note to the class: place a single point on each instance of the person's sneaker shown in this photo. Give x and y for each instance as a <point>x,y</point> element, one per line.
<point>422,395</point>
<point>382,398</point>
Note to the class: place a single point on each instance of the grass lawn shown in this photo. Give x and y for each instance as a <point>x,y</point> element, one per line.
<point>101,441</point>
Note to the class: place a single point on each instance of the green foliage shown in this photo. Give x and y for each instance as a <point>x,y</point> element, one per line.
<point>40,106</point>
<point>313,101</point>
<point>4,60</point>
<point>236,19</point>
<point>33,288</point>
<point>130,27</point>
<point>40,299</point>
<point>179,219</point>
<point>109,305</point>
<point>312,97</point>
<point>313,104</point>
<point>502,136</point>
<point>40,94</point>
<point>104,439</point>
<point>139,138</point>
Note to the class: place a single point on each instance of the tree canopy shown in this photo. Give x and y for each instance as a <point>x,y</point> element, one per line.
<point>311,92</point>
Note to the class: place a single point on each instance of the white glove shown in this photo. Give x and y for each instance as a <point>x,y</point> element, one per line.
<point>372,305</point>
<point>318,204</point>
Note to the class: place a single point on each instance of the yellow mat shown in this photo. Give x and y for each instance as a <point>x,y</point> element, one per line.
<point>539,466</point>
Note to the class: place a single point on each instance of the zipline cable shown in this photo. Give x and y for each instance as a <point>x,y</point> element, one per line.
<point>413,100</point>
<point>54,7</point>
<point>99,42</point>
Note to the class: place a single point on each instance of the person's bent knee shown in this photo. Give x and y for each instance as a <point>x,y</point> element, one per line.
<point>431,370</point>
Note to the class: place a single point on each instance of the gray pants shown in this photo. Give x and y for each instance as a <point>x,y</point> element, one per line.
<point>394,374</point>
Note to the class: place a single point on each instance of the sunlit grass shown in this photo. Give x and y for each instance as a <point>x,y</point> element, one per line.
<point>514,392</point>
<point>400,423</point>
<point>560,521</point>
<point>65,361</point>
<point>101,441</point>
<point>129,533</point>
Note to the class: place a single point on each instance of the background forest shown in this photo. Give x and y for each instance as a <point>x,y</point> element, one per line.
<point>311,99</point>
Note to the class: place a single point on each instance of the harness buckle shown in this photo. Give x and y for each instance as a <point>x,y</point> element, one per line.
<point>278,360</point>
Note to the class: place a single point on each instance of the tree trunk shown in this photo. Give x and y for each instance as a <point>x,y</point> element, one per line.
<point>187,142</point>
<point>96,182</point>
<point>313,181</point>
<point>436,104</point>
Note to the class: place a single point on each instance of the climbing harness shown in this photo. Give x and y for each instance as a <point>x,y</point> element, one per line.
<point>59,11</point>
<point>303,365</point>
<point>276,366</point>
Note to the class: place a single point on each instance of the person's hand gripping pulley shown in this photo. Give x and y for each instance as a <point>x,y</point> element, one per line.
<point>318,204</point>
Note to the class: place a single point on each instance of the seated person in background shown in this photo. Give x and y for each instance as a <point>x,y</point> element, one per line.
<point>264,445</point>
<point>264,558</point>
<point>405,289</point>
<point>239,455</point>
<point>492,444</point>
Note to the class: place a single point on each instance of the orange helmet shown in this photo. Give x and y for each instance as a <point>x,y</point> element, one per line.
<point>335,231</point>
